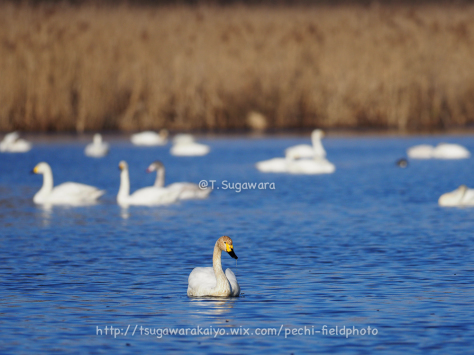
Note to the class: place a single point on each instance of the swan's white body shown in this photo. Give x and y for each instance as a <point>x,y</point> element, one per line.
<point>311,166</point>
<point>306,150</point>
<point>441,151</point>
<point>150,138</point>
<point>12,143</point>
<point>187,190</point>
<point>450,151</point>
<point>147,196</point>
<point>462,196</point>
<point>97,148</point>
<point>212,281</point>
<point>184,145</point>
<point>275,165</point>
<point>422,151</point>
<point>68,193</point>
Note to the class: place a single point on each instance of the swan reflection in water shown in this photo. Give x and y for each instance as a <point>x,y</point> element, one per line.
<point>212,306</point>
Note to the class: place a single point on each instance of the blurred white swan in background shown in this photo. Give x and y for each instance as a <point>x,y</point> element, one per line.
<point>306,150</point>
<point>150,138</point>
<point>97,148</point>
<point>147,196</point>
<point>275,165</point>
<point>12,143</point>
<point>450,151</point>
<point>211,281</point>
<point>462,196</point>
<point>441,151</point>
<point>185,145</point>
<point>187,190</point>
<point>311,166</point>
<point>68,193</point>
<point>313,159</point>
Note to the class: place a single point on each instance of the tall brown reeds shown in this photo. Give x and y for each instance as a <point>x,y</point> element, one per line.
<point>76,68</point>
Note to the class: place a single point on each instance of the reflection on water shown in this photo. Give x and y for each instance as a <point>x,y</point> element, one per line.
<point>365,246</point>
<point>212,305</point>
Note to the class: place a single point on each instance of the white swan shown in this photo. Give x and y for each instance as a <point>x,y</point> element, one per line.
<point>150,138</point>
<point>187,190</point>
<point>308,151</point>
<point>147,196</point>
<point>184,145</point>
<point>450,151</point>
<point>441,151</point>
<point>462,196</point>
<point>275,165</point>
<point>97,148</point>
<point>68,193</point>
<point>211,281</point>
<point>311,166</point>
<point>12,143</point>
<point>422,151</point>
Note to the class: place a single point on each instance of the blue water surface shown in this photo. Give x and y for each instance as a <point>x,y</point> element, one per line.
<point>367,246</point>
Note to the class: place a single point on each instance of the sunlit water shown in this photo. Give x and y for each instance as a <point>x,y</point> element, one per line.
<point>365,246</point>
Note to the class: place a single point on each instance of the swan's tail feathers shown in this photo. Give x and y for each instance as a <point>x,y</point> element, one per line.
<point>96,194</point>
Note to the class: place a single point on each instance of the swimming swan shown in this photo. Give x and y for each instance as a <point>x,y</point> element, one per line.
<point>462,196</point>
<point>187,190</point>
<point>147,196</point>
<point>311,166</point>
<point>68,193</point>
<point>184,145</point>
<point>150,138</point>
<point>97,148</point>
<point>450,151</point>
<point>211,281</point>
<point>308,151</point>
<point>275,165</point>
<point>441,151</point>
<point>12,143</point>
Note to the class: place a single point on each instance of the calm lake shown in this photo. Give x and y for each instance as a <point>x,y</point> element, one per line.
<point>367,246</point>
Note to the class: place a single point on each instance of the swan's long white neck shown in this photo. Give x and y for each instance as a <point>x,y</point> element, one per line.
<point>124,189</point>
<point>160,177</point>
<point>318,148</point>
<point>222,282</point>
<point>97,140</point>
<point>47,182</point>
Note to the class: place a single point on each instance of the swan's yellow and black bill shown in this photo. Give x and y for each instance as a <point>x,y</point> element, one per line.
<point>230,250</point>
<point>35,170</point>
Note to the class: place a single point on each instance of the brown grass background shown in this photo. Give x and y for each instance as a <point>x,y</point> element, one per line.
<point>89,68</point>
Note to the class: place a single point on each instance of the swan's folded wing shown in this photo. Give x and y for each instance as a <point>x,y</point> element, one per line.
<point>202,278</point>
<point>233,282</point>
<point>73,191</point>
<point>155,195</point>
<point>188,190</point>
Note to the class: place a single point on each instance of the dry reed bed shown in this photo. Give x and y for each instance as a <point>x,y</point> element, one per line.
<point>66,68</point>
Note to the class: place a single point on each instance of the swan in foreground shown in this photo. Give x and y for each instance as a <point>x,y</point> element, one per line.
<point>150,138</point>
<point>441,151</point>
<point>147,196</point>
<point>211,281</point>
<point>12,143</point>
<point>185,145</point>
<point>97,148</point>
<point>187,190</point>
<point>462,196</point>
<point>68,193</point>
<point>306,150</point>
